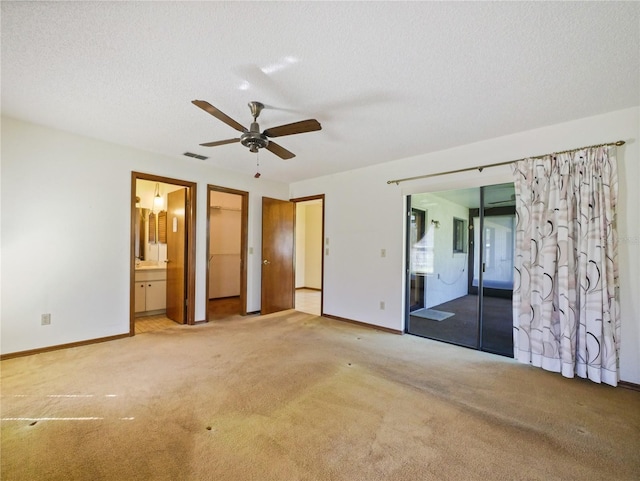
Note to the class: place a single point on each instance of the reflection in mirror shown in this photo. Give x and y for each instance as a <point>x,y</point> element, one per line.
<point>152,228</point>
<point>140,250</point>
<point>460,267</point>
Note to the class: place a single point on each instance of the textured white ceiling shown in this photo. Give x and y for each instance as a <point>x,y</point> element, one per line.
<point>387,80</point>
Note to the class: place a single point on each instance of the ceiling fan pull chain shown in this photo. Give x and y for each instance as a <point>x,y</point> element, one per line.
<point>257,176</point>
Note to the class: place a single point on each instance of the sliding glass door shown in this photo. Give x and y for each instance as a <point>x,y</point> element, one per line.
<point>460,267</point>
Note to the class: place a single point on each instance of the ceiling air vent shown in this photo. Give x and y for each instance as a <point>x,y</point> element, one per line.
<point>195,156</point>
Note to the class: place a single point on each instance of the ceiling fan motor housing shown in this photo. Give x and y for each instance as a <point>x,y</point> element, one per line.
<point>253,138</point>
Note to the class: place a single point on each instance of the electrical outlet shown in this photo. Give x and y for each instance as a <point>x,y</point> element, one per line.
<point>45,319</point>
<point>383,252</point>
<point>382,305</point>
<point>326,251</point>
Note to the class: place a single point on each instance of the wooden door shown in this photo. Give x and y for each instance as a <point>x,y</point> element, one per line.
<point>176,255</point>
<point>278,284</point>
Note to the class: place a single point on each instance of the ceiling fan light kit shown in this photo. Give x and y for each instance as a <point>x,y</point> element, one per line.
<point>252,138</point>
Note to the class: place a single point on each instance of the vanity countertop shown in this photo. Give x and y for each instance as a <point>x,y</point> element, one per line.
<point>152,267</point>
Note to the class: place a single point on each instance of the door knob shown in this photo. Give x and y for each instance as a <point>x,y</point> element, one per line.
<point>265,262</point>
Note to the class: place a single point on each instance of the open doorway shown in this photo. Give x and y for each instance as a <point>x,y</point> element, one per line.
<point>227,225</point>
<point>162,256</point>
<point>309,255</point>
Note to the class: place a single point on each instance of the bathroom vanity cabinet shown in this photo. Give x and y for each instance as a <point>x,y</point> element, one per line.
<point>151,291</point>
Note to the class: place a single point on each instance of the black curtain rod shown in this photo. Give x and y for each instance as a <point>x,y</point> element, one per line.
<point>480,168</point>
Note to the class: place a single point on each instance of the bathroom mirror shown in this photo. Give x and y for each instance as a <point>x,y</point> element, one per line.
<point>140,250</point>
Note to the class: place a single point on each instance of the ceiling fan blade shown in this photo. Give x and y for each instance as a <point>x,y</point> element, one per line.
<point>294,128</point>
<point>279,151</point>
<point>207,107</point>
<point>220,142</point>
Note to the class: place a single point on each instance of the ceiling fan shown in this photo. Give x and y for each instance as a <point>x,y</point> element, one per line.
<point>252,137</point>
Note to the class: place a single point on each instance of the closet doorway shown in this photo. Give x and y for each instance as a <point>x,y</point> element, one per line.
<point>460,247</point>
<point>227,222</point>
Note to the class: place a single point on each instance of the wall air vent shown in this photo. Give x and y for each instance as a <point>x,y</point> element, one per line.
<point>195,156</point>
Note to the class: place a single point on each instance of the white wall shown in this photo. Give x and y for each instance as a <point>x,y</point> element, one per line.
<point>357,278</point>
<point>301,233</point>
<point>313,246</point>
<point>309,245</point>
<point>62,195</point>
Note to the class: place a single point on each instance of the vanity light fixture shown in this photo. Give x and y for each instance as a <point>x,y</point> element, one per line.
<point>157,199</point>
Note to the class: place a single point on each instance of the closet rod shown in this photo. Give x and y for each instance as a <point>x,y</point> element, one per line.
<point>481,167</point>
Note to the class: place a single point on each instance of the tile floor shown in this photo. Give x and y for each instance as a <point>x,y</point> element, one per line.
<point>153,323</point>
<point>308,300</point>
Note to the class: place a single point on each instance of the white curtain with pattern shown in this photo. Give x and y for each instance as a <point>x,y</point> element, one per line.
<point>565,307</point>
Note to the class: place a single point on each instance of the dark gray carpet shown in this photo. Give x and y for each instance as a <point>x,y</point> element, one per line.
<point>462,328</point>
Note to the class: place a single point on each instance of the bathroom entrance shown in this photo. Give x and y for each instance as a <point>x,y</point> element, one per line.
<point>162,253</point>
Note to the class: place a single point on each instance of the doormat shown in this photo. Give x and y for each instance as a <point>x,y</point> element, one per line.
<point>432,314</point>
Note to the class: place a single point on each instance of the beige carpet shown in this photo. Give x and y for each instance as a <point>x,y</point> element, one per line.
<point>293,396</point>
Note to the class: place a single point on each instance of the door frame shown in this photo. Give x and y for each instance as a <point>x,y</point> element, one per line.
<point>420,284</point>
<point>190,228</point>
<point>487,212</point>
<point>244,242</point>
<point>305,199</point>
